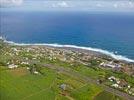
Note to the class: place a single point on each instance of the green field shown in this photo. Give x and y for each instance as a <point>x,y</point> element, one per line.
<point>20,84</point>
<point>107,96</point>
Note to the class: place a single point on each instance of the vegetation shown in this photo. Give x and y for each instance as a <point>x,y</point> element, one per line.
<point>19,84</point>
<point>107,96</point>
<point>32,79</point>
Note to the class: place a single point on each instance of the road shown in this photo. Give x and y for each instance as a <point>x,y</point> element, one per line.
<point>72,73</point>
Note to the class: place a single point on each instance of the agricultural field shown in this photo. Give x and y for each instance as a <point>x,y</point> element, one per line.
<point>107,96</point>
<point>42,73</point>
<point>20,84</point>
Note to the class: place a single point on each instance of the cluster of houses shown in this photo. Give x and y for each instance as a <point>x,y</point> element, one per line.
<point>121,84</point>
<point>118,67</point>
<point>110,64</point>
<point>12,66</point>
<point>16,63</point>
<point>39,52</point>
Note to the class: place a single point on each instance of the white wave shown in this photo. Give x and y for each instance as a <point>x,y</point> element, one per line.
<point>111,54</point>
<point>1,38</point>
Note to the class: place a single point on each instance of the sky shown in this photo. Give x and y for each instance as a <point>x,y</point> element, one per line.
<point>69,5</point>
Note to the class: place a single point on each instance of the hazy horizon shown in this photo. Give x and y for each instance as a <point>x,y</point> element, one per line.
<point>68,5</point>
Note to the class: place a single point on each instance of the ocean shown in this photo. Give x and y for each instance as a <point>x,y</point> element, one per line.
<point>111,32</point>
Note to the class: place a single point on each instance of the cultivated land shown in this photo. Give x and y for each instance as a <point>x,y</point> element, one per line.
<point>47,73</point>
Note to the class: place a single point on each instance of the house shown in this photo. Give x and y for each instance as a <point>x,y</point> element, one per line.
<point>123,83</point>
<point>12,66</point>
<point>110,64</point>
<point>117,69</point>
<point>115,85</point>
<point>25,63</point>
<point>28,68</point>
<point>63,86</point>
<point>132,91</point>
<point>35,72</point>
<point>86,58</point>
<point>112,78</point>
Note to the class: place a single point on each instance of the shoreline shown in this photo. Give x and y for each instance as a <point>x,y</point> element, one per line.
<point>94,51</point>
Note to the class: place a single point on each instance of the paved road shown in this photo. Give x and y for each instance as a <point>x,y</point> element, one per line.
<point>72,73</point>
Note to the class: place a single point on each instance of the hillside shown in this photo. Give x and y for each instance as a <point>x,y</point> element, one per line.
<point>47,73</point>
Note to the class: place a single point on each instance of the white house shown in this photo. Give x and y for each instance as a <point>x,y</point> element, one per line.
<point>12,66</point>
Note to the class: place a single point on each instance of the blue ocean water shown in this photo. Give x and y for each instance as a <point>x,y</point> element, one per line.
<point>109,31</point>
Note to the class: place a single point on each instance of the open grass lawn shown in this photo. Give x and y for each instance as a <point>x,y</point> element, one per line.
<point>87,92</point>
<point>20,84</point>
<point>107,96</point>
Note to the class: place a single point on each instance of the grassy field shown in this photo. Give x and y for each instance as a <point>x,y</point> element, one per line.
<point>107,96</point>
<point>88,92</point>
<point>80,80</point>
<point>20,84</point>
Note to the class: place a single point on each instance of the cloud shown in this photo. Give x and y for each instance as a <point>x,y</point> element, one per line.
<point>17,2</point>
<point>99,5</point>
<point>7,3</point>
<point>60,4</point>
<point>115,5</point>
<point>79,5</point>
<point>131,4</point>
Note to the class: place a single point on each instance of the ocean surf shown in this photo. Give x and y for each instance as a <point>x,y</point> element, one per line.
<point>105,52</point>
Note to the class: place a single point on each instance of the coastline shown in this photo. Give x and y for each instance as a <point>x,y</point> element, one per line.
<point>89,50</point>
<point>85,62</point>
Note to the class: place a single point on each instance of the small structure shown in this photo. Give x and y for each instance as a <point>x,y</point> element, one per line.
<point>63,86</point>
<point>112,78</point>
<point>132,91</point>
<point>99,81</point>
<point>110,65</point>
<point>115,85</point>
<point>25,63</point>
<point>123,83</point>
<point>129,86</point>
<point>28,68</point>
<point>35,72</point>
<point>12,66</point>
